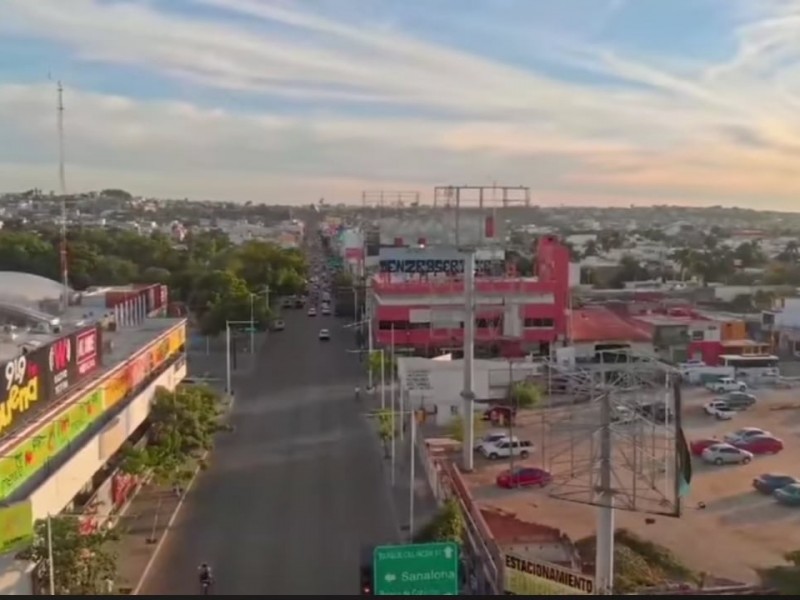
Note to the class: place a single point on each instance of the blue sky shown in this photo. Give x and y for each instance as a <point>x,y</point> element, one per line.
<point>602,102</point>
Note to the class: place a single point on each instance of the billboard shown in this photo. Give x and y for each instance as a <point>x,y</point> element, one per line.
<point>72,359</point>
<point>26,389</point>
<point>523,577</point>
<point>22,462</point>
<point>16,526</point>
<point>435,261</point>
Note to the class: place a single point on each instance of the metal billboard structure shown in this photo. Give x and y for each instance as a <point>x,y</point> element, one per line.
<point>612,439</point>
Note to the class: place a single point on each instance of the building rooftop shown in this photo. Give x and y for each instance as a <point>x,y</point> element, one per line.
<point>598,324</point>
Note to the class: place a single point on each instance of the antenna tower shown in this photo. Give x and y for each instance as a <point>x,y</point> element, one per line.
<point>62,181</point>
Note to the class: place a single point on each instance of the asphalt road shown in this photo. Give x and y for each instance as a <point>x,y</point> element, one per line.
<point>293,494</point>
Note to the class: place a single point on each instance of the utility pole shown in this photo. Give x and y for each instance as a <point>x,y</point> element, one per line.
<point>62,182</point>
<point>468,394</point>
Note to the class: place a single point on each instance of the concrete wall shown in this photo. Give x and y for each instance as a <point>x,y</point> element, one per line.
<point>58,490</point>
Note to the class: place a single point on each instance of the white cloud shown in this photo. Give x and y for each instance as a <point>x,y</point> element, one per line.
<point>672,135</point>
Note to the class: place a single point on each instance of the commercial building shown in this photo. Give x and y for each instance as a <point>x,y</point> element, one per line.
<point>417,301</point>
<point>74,393</point>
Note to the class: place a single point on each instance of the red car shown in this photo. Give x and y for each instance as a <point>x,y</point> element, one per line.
<point>698,446</point>
<point>499,414</point>
<point>760,444</point>
<point>524,477</point>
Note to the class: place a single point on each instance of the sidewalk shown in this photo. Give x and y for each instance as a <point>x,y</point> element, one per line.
<point>141,528</point>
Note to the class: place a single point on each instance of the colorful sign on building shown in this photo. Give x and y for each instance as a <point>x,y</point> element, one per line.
<point>523,577</point>
<point>23,393</point>
<point>43,445</point>
<point>16,526</point>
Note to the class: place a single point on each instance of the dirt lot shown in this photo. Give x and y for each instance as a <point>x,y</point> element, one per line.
<point>737,532</point>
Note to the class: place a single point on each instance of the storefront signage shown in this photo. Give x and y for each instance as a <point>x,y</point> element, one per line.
<point>524,577</point>
<point>59,359</point>
<point>46,443</point>
<point>16,526</point>
<point>177,340</point>
<point>22,392</point>
<point>432,261</point>
<point>116,387</point>
<point>87,357</point>
<point>418,380</point>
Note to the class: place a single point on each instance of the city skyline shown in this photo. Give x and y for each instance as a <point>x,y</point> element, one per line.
<point>604,103</point>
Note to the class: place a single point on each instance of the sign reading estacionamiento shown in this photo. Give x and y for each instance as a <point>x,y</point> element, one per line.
<point>524,577</point>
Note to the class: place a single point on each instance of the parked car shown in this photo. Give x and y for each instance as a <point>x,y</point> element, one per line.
<point>726,454</point>
<point>524,477</point>
<point>760,444</point>
<point>491,437</point>
<point>744,433</point>
<point>658,413</point>
<point>505,449</point>
<point>727,384</point>
<point>739,400</point>
<point>719,409</point>
<point>769,482</point>
<point>496,414</point>
<point>312,312</point>
<point>697,446</point>
<point>788,495</point>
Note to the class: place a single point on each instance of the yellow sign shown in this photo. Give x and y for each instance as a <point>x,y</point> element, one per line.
<point>116,387</point>
<point>16,526</point>
<point>22,462</point>
<point>524,577</point>
<point>177,340</point>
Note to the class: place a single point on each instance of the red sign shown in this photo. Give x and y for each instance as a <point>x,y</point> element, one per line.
<point>139,370</point>
<point>87,355</point>
<point>353,253</point>
<point>59,359</point>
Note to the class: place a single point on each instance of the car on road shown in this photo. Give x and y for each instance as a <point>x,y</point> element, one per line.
<point>287,303</point>
<point>493,437</point>
<point>744,433</point>
<point>324,335</point>
<point>760,444</point>
<point>524,477</point>
<point>656,412</point>
<point>622,414</point>
<point>727,384</point>
<point>312,312</point>
<point>788,495</point>
<point>719,409</point>
<point>769,482</point>
<point>507,448</point>
<point>726,454</point>
<point>326,311</point>
<point>697,446</point>
<point>739,400</point>
<point>278,325</point>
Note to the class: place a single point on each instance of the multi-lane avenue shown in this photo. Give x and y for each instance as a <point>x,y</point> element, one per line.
<point>296,490</point>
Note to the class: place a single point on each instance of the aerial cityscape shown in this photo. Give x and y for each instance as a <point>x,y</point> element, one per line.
<point>339,298</point>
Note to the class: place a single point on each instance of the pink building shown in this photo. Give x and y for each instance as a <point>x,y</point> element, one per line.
<point>514,315</point>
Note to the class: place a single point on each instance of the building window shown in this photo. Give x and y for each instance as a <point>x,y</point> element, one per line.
<point>489,323</point>
<point>454,410</point>
<point>698,336</point>
<point>539,323</point>
<point>396,325</point>
<point>419,326</point>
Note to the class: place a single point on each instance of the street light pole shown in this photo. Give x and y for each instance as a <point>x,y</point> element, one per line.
<point>412,476</point>
<point>50,567</point>
<point>227,357</point>
<point>383,379</point>
<point>252,325</point>
<point>394,434</point>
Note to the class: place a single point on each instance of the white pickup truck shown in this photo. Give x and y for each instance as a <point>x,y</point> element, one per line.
<point>727,384</point>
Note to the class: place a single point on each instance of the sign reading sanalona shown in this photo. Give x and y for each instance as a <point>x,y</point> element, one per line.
<point>524,577</point>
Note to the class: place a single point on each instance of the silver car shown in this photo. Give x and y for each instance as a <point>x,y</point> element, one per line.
<point>725,454</point>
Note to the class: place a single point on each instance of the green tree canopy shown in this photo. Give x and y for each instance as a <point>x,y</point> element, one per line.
<point>525,394</point>
<point>81,561</point>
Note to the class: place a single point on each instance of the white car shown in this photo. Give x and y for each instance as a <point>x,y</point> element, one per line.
<point>744,434</point>
<point>720,410</point>
<point>725,454</point>
<point>727,384</point>
<point>504,448</point>
<point>312,312</point>
<point>491,438</point>
<point>326,311</point>
<point>324,335</point>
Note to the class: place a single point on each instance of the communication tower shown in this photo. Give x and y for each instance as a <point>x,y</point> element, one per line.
<point>611,431</point>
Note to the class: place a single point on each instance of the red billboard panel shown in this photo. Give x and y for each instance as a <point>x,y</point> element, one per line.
<point>88,348</point>
<point>24,391</point>
<point>59,359</point>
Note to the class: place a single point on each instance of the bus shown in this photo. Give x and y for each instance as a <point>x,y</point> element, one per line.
<point>756,366</point>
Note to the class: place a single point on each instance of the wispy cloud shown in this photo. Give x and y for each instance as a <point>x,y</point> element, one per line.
<point>640,130</point>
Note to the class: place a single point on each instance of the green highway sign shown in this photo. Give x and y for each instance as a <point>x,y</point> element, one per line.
<point>416,570</point>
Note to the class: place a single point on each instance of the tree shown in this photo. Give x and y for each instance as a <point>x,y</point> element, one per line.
<point>82,562</point>
<point>590,249</point>
<point>182,427</point>
<point>456,427</point>
<point>385,430</point>
<point>446,526</point>
<point>380,360</point>
<point>525,394</point>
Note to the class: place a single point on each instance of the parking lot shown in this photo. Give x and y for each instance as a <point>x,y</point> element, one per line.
<point>737,530</point>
